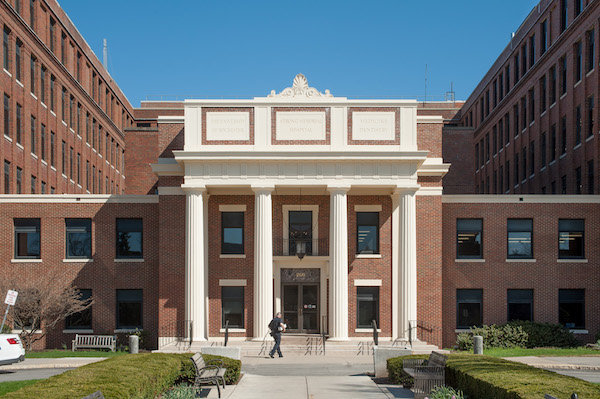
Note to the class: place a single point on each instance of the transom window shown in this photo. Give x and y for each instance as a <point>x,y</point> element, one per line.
<point>469,309</point>
<point>520,239</point>
<point>129,238</point>
<point>469,238</point>
<point>232,232</point>
<point>367,232</point>
<point>232,306</point>
<point>79,238</point>
<point>27,238</point>
<point>571,238</point>
<point>367,306</point>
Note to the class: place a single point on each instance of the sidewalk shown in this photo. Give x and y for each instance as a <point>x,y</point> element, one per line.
<point>52,363</point>
<point>590,363</point>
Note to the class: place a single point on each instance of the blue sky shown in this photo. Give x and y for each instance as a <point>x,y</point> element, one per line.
<point>243,49</point>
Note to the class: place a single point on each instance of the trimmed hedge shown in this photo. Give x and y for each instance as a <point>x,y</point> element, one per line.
<point>142,376</point>
<point>546,335</point>
<point>487,377</point>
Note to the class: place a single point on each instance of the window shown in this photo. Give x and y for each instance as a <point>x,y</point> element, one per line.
<point>18,57</point>
<point>578,8</point>
<point>543,37</point>
<point>590,116</point>
<point>64,158</point>
<point>33,138</point>
<point>516,168</point>
<point>232,232</point>
<point>87,175</point>
<point>52,148</point>
<point>487,146</point>
<point>578,62</point>
<point>531,105</point>
<point>520,305</point>
<point>300,231</point>
<point>63,48</point>
<point>43,187</point>
<point>590,49</point>
<point>523,113</point>
<point>531,51</point>
<point>71,107</point>
<point>543,150</point>
<point>43,84</point>
<point>543,94</point>
<point>79,168</point>
<point>563,75</point>
<point>63,105</point>
<point>571,308</point>
<point>367,306</point>
<point>578,125</point>
<point>6,177</point>
<point>563,135</point>
<point>520,239</point>
<point>32,14</point>
<point>563,15</point>
<point>571,238</point>
<point>83,319</point>
<point>507,171</point>
<point>19,123</point>
<point>552,85</point>
<point>523,59</point>
<point>27,238</point>
<point>71,162</point>
<point>517,66</point>
<point>129,309</point>
<point>507,78</point>
<point>52,92</point>
<point>590,177</point>
<point>43,142</point>
<point>495,139</point>
<point>469,309</point>
<point>79,238</point>
<point>33,184</point>
<point>232,307</point>
<point>367,232</point>
<point>469,238</point>
<point>129,238</point>
<point>19,179</point>
<point>563,184</point>
<point>524,162</point>
<point>516,119</point>
<point>553,143</point>
<point>32,74</point>
<point>531,158</point>
<point>578,189</point>
<point>5,50</point>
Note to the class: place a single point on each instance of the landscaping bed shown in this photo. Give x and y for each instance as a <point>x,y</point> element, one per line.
<point>142,376</point>
<point>488,377</point>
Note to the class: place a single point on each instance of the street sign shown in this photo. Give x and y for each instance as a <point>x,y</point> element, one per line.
<point>11,297</point>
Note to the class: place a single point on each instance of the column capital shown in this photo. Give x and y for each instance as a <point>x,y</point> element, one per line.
<point>194,189</point>
<point>411,190</point>
<point>265,188</point>
<point>338,189</point>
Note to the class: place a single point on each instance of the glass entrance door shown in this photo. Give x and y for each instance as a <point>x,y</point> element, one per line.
<point>301,307</point>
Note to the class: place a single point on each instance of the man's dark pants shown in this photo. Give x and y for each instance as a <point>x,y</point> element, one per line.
<point>277,338</point>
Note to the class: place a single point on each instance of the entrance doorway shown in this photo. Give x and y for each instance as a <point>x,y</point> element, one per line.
<point>301,307</point>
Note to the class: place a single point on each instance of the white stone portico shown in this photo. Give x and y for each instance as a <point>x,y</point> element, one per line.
<point>302,139</point>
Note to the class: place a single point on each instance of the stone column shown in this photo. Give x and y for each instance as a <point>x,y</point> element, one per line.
<point>263,261</point>
<point>404,259</point>
<point>196,268</point>
<point>338,264</point>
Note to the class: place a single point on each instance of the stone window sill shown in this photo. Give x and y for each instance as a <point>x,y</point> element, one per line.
<point>78,260</point>
<point>567,260</point>
<point>232,256</point>
<point>368,256</point>
<point>78,331</point>
<point>577,331</point>
<point>25,260</point>
<point>233,330</point>
<point>520,260</point>
<point>133,260</point>
<point>469,260</point>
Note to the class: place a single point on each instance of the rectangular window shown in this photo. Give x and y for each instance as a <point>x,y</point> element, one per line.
<point>367,232</point>
<point>590,177</point>
<point>33,136</point>
<point>563,135</point>
<point>578,125</point>
<point>523,113</point>
<point>43,142</point>
<point>63,100</point>
<point>531,158</point>
<point>19,179</point>
<point>516,168</point>
<point>71,162</point>
<point>543,150</point>
<point>531,105</point>
<point>517,66</point>
<point>590,116</point>
<point>563,184</point>
<point>129,309</point>
<point>543,94</point>
<point>32,14</point>
<point>33,184</point>
<point>553,143</point>
<point>501,179</point>
<point>590,49</point>
<point>32,74</point>
<point>52,148</point>
<point>552,85</point>
<point>523,59</point>
<point>531,51</point>
<point>520,239</point>
<point>6,177</point>
<point>79,238</point>
<point>19,123</point>
<point>578,8</point>
<point>507,78</point>
<point>52,93</point>
<point>495,139</point>
<point>367,306</point>
<point>469,238</point>
<point>571,238</point>
<point>87,175</point>
<point>43,187</point>
<point>578,62</point>
<point>507,171</point>
<point>83,319</point>
<point>129,238</point>
<point>64,158</point>
<point>63,48</point>
<point>563,15</point>
<point>52,33</point>
<point>27,238</point>
<point>43,84</point>
<point>71,109</point>
<point>524,162</point>
<point>232,232</point>
<point>520,305</point>
<point>5,48</point>
<point>79,168</point>
<point>18,59</point>
<point>578,183</point>
<point>571,308</point>
<point>469,308</point>
<point>232,307</point>
<point>543,37</point>
<point>563,75</point>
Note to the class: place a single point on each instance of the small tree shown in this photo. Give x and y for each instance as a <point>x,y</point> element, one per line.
<point>44,300</point>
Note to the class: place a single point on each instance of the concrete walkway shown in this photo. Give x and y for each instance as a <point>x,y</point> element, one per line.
<point>583,367</point>
<point>52,363</point>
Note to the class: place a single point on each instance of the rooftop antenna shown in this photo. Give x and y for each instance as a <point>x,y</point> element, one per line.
<point>425,100</point>
<point>105,54</point>
<point>450,94</point>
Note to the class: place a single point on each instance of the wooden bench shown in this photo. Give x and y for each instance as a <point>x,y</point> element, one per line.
<point>95,342</point>
<point>427,373</point>
<point>211,372</point>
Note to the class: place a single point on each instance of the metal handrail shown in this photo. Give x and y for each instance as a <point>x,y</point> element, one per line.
<point>226,332</point>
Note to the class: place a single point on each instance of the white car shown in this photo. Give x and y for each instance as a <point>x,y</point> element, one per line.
<point>11,349</point>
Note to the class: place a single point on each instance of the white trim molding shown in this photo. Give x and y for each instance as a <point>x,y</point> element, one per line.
<point>164,190</point>
<point>367,283</point>
<point>564,260</point>
<point>86,260</point>
<point>367,208</point>
<point>232,208</point>
<point>77,198</point>
<point>469,260</point>
<point>368,256</point>
<point>515,198</point>
<point>25,260</point>
<point>520,260</point>
<point>232,256</point>
<point>232,283</point>
<point>430,191</point>
<point>171,119</point>
<point>430,119</point>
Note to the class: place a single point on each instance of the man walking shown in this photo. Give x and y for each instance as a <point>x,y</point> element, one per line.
<point>277,327</point>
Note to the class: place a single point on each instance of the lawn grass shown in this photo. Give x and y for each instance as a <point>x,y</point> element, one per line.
<point>514,352</point>
<point>56,353</point>
<point>10,386</point>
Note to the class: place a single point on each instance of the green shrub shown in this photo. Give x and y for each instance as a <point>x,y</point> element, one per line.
<point>142,376</point>
<point>494,336</point>
<point>446,393</point>
<point>487,377</point>
<point>182,391</point>
<point>542,335</point>
<point>396,372</point>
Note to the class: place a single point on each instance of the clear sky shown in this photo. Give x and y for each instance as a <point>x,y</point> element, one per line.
<point>245,48</point>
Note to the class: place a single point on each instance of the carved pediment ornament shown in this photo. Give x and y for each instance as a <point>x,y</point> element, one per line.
<point>300,88</point>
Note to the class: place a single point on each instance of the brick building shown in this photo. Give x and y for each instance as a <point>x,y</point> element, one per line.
<point>334,211</point>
